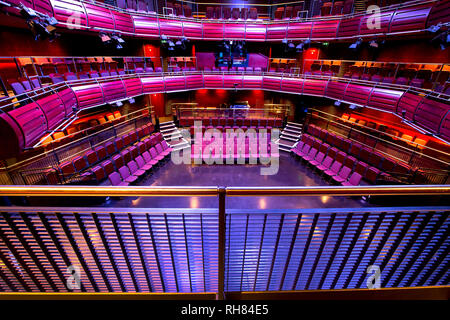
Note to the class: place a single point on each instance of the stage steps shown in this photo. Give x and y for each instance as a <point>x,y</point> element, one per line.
<point>290,135</point>
<point>173,136</point>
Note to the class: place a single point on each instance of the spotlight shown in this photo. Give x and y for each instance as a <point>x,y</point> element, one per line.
<point>131,100</point>
<point>442,39</point>
<point>118,41</point>
<point>301,46</point>
<point>355,46</point>
<point>373,44</point>
<point>352,107</point>
<point>337,103</point>
<point>104,37</point>
<point>119,104</point>
<point>291,45</point>
<point>435,28</point>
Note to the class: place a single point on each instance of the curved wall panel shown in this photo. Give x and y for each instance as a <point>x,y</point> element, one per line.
<point>90,15</point>
<point>33,120</point>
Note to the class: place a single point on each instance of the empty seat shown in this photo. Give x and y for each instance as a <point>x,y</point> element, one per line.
<point>126,154</point>
<point>148,159</point>
<point>79,163</point>
<point>91,157</point>
<point>325,164</point>
<point>155,154</point>
<point>67,169</point>
<point>126,175</point>
<point>354,180</point>
<point>101,152</point>
<point>343,175</point>
<point>107,166</point>
<point>52,176</point>
<point>334,169</point>
<point>142,164</point>
<point>110,148</point>
<point>134,169</point>
<point>318,159</point>
<point>134,151</point>
<point>118,161</point>
<point>99,173</point>
<point>116,180</point>
<point>372,174</point>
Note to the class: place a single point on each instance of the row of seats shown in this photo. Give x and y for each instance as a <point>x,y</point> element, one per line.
<point>81,129</point>
<point>332,163</point>
<point>232,123</point>
<point>90,165</point>
<point>383,131</point>
<point>129,171</point>
<point>235,69</point>
<point>289,12</point>
<point>231,13</point>
<point>376,163</point>
<point>336,7</point>
<point>224,129</point>
<point>244,148</point>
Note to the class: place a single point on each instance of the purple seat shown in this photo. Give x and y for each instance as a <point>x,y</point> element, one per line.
<point>318,159</point>
<point>148,159</point>
<point>142,164</point>
<point>334,170</point>
<point>116,180</point>
<point>161,151</point>
<point>126,175</point>
<point>325,164</point>
<point>342,175</point>
<point>311,154</point>
<point>155,154</point>
<point>354,180</point>
<point>134,169</point>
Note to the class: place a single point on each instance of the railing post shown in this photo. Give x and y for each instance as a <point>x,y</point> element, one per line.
<point>221,255</point>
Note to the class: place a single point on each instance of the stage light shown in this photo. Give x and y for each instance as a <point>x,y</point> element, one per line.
<point>356,45</point>
<point>373,44</point>
<point>434,29</point>
<point>337,103</point>
<point>442,39</point>
<point>131,100</point>
<point>302,45</point>
<point>104,37</point>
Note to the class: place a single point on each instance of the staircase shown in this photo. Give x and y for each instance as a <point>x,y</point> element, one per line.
<point>173,136</point>
<point>290,135</point>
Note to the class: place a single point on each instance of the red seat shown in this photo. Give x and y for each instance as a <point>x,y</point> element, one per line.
<point>108,166</point>
<point>134,152</point>
<point>118,161</point>
<point>101,152</point>
<point>91,157</point>
<point>110,148</point>
<point>141,147</point>
<point>126,139</point>
<point>126,154</point>
<point>99,173</point>
<point>79,163</point>
<point>67,169</point>
<point>372,174</point>
<point>52,176</point>
<point>119,143</point>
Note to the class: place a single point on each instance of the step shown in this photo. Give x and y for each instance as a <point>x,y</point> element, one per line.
<point>288,138</point>
<point>292,130</point>
<point>167,128</point>
<point>163,124</point>
<point>288,144</point>
<point>289,134</point>
<point>295,124</point>
<point>281,148</point>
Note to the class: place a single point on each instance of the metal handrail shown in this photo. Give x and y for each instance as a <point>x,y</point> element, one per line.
<point>136,191</point>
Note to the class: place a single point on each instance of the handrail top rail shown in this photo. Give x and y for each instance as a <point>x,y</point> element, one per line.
<point>177,191</point>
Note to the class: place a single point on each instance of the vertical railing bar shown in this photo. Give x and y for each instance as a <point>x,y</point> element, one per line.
<point>75,248</point>
<point>124,251</point>
<point>372,234</point>
<point>141,256</point>
<point>155,250</point>
<point>277,242</point>
<point>418,233</point>
<point>92,250</point>
<point>30,252</point>
<point>13,270</point>
<point>8,281</point>
<point>221,246</point>
<point>350,248</point>
<point>305,250</point>
<point>380,246</point>
<point>437,261</point>
<point>171,252</point>
<point>108,251</point>
<point>426,242</point>
<point>245,250</point>
<point>55,241</point>
<point>42,247</point>
<point>187,251</point>
<point>319,252</point>
<point>394,248</point>
<point>291,248</point>
<point>203,253</point>
<point>335,249</point>
<point>260,250</point>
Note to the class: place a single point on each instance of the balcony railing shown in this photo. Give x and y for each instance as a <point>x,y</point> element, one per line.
<point>221,249</point>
